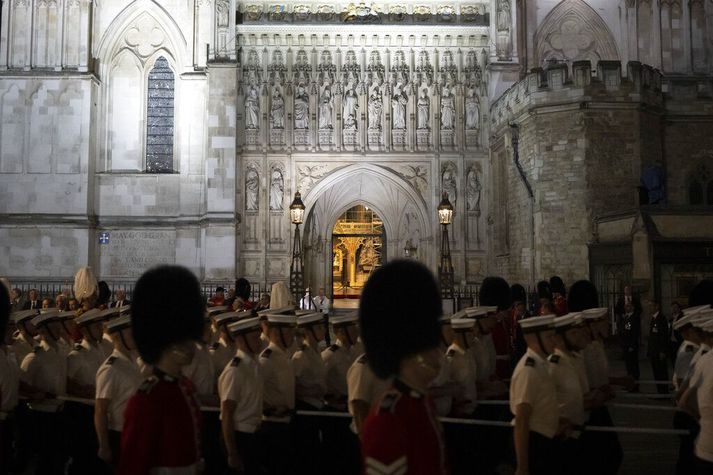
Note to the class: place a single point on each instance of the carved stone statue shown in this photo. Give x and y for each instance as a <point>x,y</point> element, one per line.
<point>301,109</point>
<point>349,109</point>
<point>504,15</point>
<point>276,190</point>
<point>252,188</point>
<point>325,109</point>
<point>449,184</point>
<point>423,106</point>
<point>472,111</point>
<point>277,110</point>
<point>472,191</point>
<point>398,104</point>
<point>448,110</point>
<point>376,106</point>
<point>252,108</point>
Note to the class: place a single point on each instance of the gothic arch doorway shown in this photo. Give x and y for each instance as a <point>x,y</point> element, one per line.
<point>358,249</point>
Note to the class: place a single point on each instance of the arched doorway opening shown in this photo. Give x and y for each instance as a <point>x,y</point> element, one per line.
<point>358,249</point>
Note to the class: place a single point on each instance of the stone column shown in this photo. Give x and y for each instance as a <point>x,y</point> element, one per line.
<point>202,32</point>
<point>4,33</point>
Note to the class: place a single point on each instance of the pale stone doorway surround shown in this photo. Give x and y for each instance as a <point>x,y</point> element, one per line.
<point>386,193</point>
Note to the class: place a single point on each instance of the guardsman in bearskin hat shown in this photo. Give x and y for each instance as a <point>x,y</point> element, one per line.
<point>162,427</point>
<point>398,315</point>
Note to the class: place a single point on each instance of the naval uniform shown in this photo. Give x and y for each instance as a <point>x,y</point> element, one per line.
<point>202,373</point>
<point>463,440</point>
<point>532,384</point>
<point>363,384</point>
<point>46,369</point>
<point>403,435</point>
<point>278,393</point>
<point>310,372</point>
<point>9,388</point>
<point>83,362</point>
<point>117,380</point>
<point>242,383</point>
<point>162,427</point>
<point>221,352</point>
<point>337,360</point>
<point>570,401</point>
<point>657,350</point>
<point>702,383</point>
<point>682,420</point>
<point>597,371</point>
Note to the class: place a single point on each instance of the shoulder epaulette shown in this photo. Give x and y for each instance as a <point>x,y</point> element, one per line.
<point>690,349</point>
<point>530,361</point>
<point>266,353</point>
<point>554,359</point>
<point>703,352</point>
<point>214,346</point>
<point>235,361</point>
<point>78,347</point>
<point>148,384</point>
<point>389,400</point>
<point>110,361</point>
<point>333,348</point>
<point>303,347</point>
<point>362,359</point>
<point>451,353</point>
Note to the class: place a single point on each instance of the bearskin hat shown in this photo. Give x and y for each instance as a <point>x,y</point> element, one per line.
<point>518,293</point>
<point>495,291</point>
<point>557,285</point>
<point>242,288</point>
<point>702,294</point>
<point>583,295</point>
<point>167,308</point>
<point>398,314</point>
<point>544,291</point>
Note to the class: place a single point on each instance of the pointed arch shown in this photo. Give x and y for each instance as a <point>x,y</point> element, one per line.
<point>573,31</point>
<point>162,33</point>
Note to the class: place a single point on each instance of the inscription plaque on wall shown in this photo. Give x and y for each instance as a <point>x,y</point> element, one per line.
<point>130,253</point>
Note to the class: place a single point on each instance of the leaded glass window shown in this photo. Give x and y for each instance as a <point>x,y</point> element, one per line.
<point>159,118</point>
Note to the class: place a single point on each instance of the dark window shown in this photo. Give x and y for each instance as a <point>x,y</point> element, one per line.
<point>695,193</point>
<point>709,192</point>
<point>159,119</point>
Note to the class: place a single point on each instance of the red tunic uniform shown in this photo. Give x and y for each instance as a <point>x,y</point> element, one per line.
<point>161,428</point>
<point>403,435</point>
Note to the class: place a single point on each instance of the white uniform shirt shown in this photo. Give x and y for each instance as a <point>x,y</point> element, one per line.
<point>702,350</point>
<point>364,385</point>
<point>46,369</point>
<point>21,348</point>
<point>83,362</point>
<point>322,304</point>
<point>242,383</point>
<point>570,396</point>
<point>201,372</point>
<point>596,364</point>
<point>310,371</point>
<point>580,366</point>
<point>683,361</point>
<point>702,381</point>
<point>117,380</point>
<point>337,360</point>
<point>278,379</point>
<point>532,384</point>
<point>222,353</point>
<point>465,373</point>
<point>9,381</point>
<point>443,403</point>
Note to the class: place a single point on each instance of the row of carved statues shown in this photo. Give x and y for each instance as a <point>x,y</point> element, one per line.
<point>398,102</point>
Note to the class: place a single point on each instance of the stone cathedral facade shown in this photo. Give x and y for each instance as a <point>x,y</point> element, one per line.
<point>572,137</point>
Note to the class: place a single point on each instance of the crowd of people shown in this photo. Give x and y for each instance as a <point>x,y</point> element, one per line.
<point>182,385</point>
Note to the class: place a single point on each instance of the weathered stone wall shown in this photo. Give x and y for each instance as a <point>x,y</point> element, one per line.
<point>582,146</point>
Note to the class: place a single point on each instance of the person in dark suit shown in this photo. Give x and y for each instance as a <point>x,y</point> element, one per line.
<point>120,299</point>
<point>658,347</point>
<point>630,333</point>
<point>627,297</point>
<point>33,300</point>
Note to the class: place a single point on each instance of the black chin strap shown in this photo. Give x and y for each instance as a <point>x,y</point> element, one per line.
<point>314,334</point>
<point>282,338</point>
<point>464,340</point>
<point>349,337</point>
<point>480,327</point>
